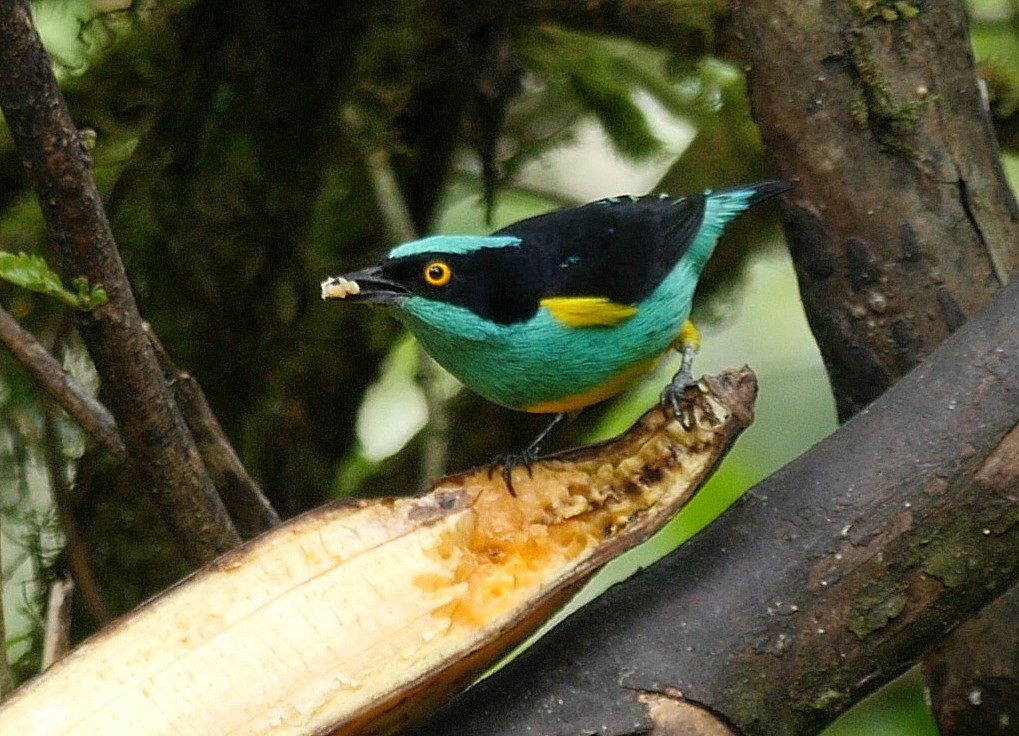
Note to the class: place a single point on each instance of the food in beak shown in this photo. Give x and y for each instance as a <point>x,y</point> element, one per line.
<point>337,287</point>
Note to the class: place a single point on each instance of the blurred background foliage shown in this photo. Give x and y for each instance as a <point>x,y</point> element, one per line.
<point>243,151</point>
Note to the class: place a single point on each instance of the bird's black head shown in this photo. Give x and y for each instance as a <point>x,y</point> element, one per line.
<point>491,276</point>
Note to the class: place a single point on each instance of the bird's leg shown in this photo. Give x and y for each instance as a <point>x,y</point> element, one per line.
<point>688,343</point>
<point>534,449</point>
<point>530,453</point>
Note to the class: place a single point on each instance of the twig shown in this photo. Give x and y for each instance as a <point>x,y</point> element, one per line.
<point>248,507</point>
<point>163,452</point>
<point>6,676</point>
<point>400,228</point>
<point>392,206</point>
<point>56,639</point>
<point>77,550</point>
<point>83,408</point>
<point>435,445</point>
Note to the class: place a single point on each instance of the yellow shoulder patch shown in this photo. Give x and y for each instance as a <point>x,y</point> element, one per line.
<point>587,311</point>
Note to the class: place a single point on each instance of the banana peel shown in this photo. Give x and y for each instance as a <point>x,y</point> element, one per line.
<point>362,616</point>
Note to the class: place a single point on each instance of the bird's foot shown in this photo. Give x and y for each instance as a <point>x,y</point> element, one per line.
<point>528,456</point>
<point>509,463</point>
<point>688,401</point>
<point>675,394</point>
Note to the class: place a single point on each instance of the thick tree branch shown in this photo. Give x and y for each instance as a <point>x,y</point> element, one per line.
<point>155,435</point>
<point>901,224</point>
<point>825,581</point>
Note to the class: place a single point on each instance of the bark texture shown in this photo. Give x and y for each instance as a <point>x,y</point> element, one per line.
<point>901,224</point>
<point>972,675</point>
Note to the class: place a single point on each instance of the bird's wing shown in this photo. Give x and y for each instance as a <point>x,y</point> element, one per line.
<point>618,249</point>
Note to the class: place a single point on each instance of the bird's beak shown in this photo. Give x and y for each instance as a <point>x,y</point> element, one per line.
<point>367,285</point>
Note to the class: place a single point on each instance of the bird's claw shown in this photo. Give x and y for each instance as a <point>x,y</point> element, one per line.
<point>528,456</point>
<point>677,398</point>
<point>686,398</point>
<point>508,464</point>
<point>675,394</point>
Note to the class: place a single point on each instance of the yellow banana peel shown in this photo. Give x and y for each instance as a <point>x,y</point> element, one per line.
<point>362,616</point>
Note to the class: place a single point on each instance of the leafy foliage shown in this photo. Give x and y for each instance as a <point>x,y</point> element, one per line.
<point>31,272</point>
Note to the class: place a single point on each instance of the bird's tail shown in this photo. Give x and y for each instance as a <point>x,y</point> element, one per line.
<point>723,206</point>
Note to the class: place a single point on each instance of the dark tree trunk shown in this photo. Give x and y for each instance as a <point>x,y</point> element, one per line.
<point>901,224</point>
<point>900,229</point>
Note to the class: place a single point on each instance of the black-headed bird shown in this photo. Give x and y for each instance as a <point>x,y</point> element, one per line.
<point>560,311</point>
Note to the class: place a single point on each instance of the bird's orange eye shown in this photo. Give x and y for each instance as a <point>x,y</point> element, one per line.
<point>438,273</point>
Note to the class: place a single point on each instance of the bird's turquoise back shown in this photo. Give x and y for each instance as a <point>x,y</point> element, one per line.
<point>548,363</point>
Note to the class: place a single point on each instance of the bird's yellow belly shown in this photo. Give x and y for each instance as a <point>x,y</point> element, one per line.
<point>602,391</point>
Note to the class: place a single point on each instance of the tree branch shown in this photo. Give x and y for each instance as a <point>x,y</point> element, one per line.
<point>901,224</point>
<point>54,381</point>
<point>77,551</point>
<point>824,582</point>
<point>156,438</point>
<point>249,508</point>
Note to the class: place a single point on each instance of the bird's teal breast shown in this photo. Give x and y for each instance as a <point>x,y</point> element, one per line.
<point>537,363</point>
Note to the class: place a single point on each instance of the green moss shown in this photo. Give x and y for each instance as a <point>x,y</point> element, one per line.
<point>873,105</point>
<point>829,700</point>
<point>889,11</point>
<point>876,605</point>
<point>947,565</point>
<point>907,11</point>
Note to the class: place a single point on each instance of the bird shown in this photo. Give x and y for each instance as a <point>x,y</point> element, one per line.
<point>563,310</point>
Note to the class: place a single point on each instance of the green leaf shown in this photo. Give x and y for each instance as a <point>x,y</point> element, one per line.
<point>31,272</point>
